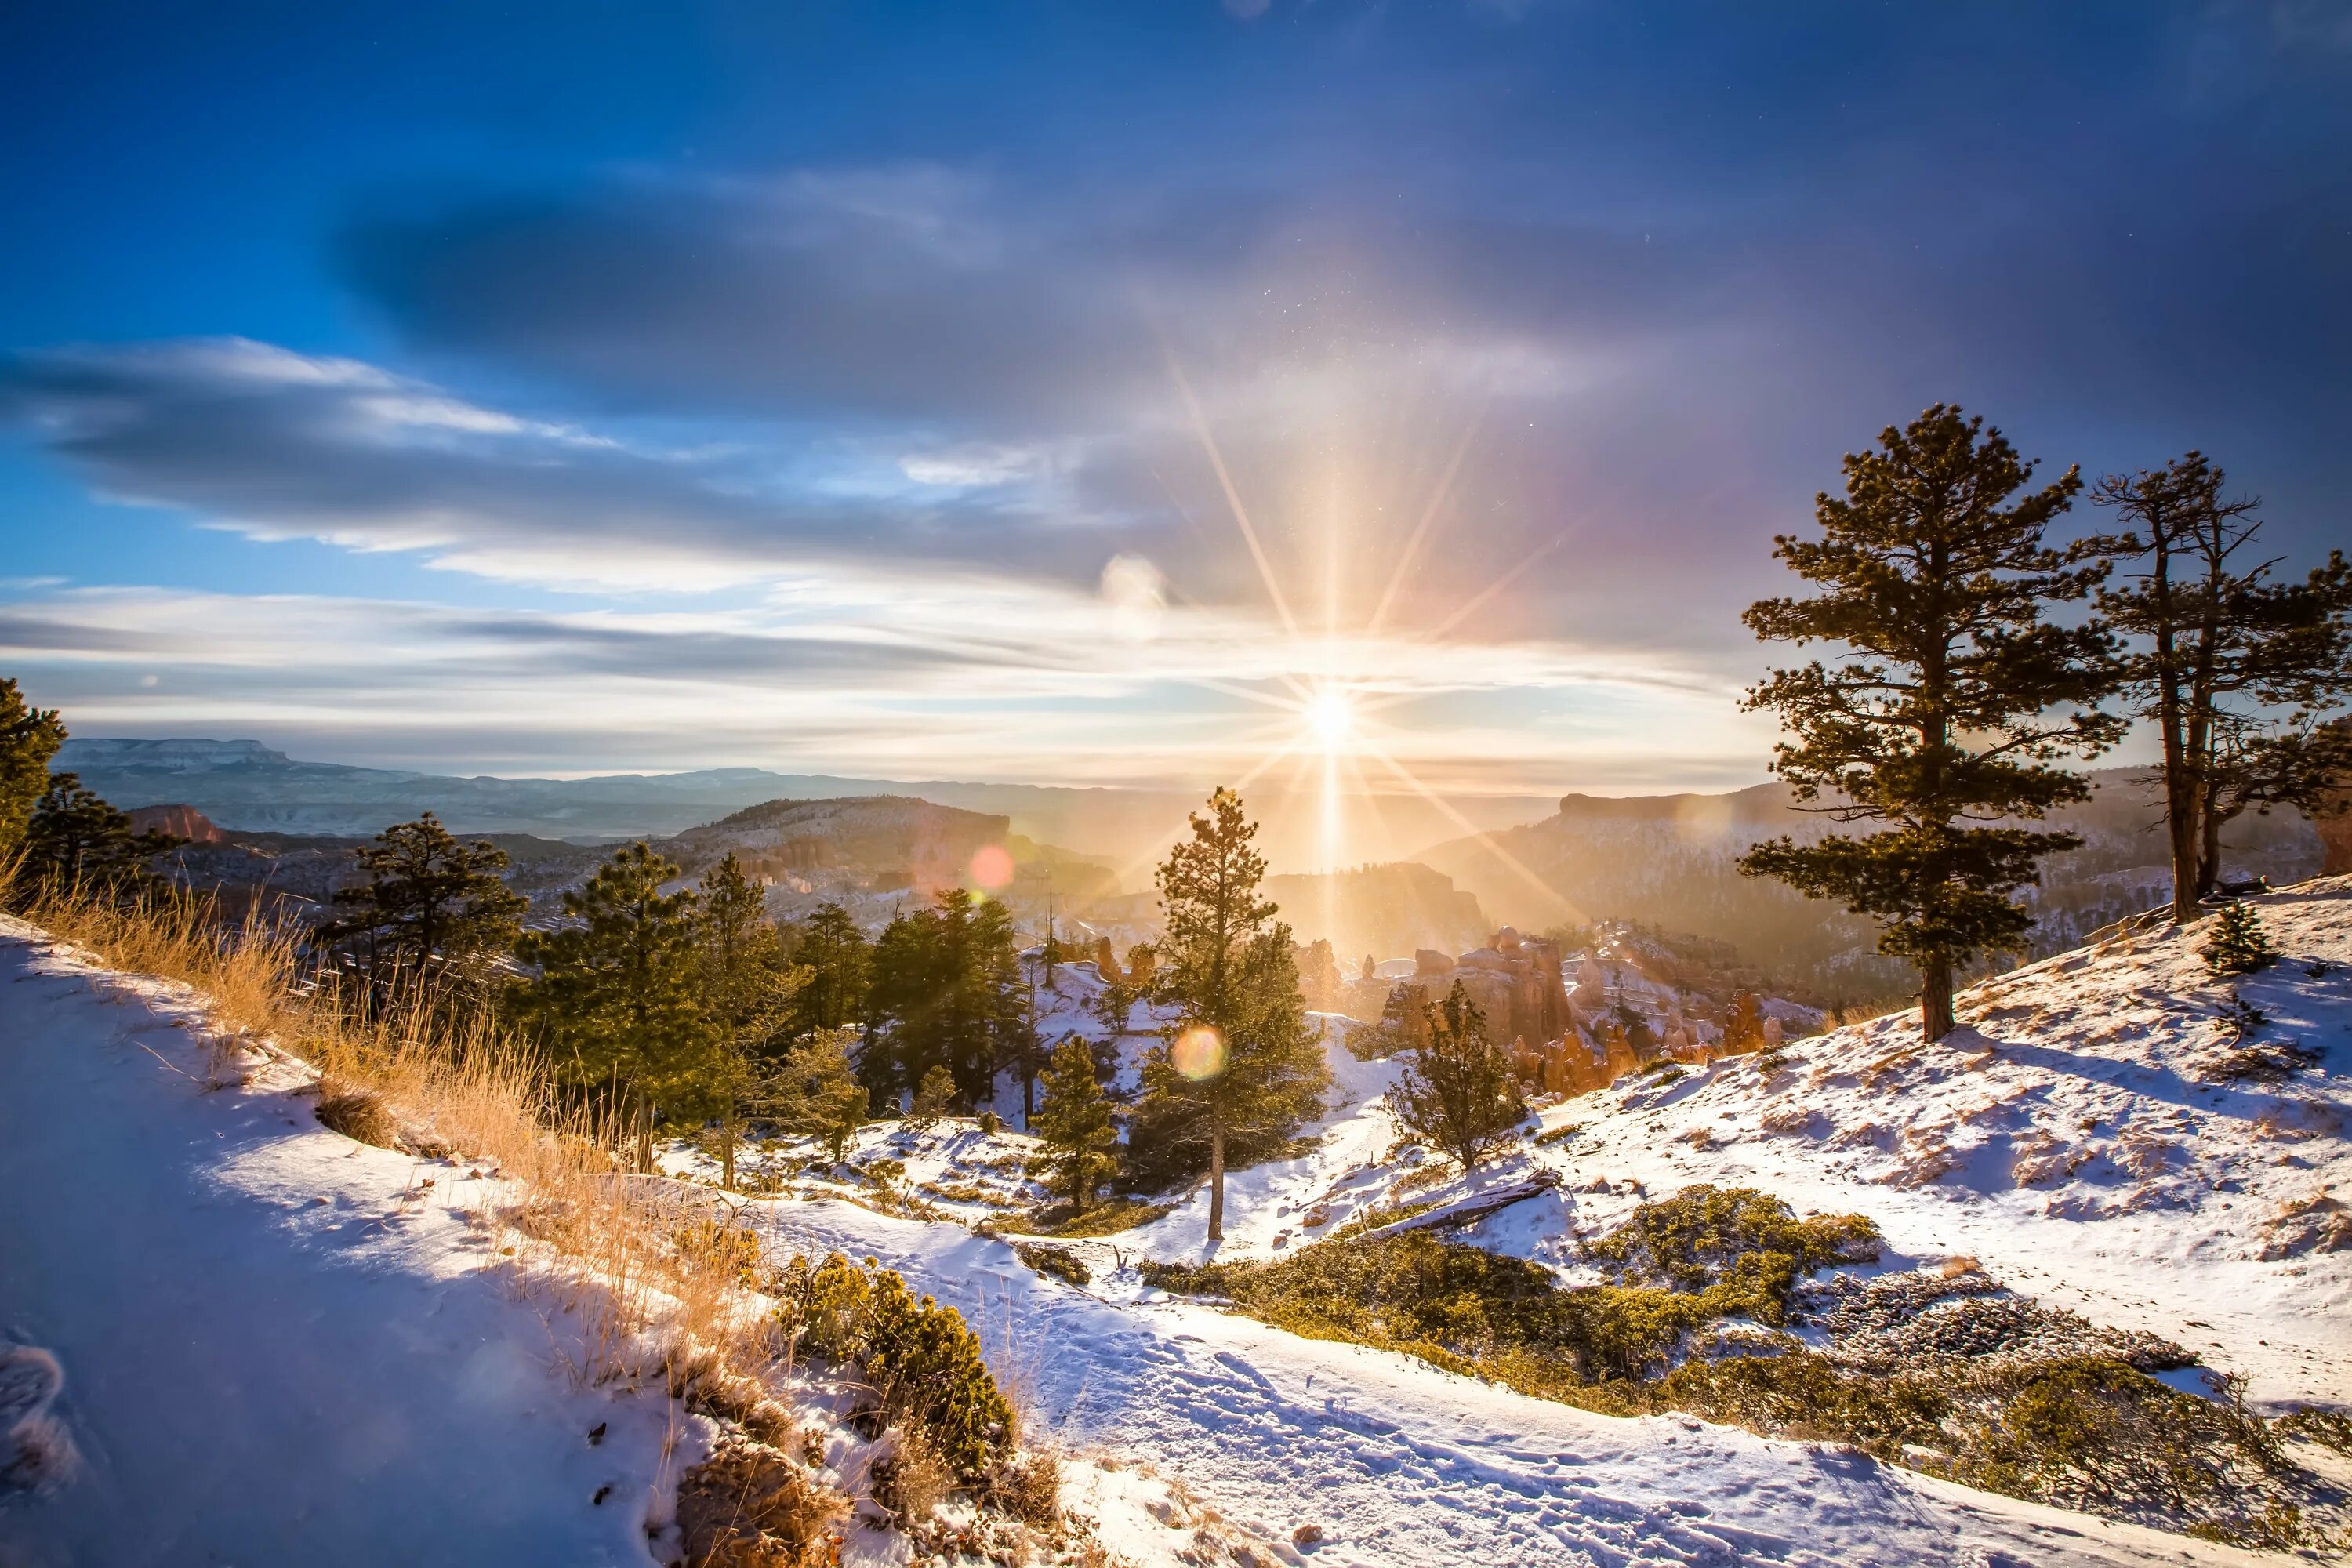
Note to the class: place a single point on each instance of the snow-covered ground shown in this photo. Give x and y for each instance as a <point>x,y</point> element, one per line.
<point>1393,1462</point>
<point>276,1345</point>
<point>2071,1139</point>
<point>274,1342</point>
<point>2068,1137</point>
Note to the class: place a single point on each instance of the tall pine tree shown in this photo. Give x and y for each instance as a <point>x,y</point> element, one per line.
<point>813,1092</point>
<point>29,736</point>
<point>1457,1091</point>
<point>1240,1070</point>
<point>1952,700</point>
<point>2233,669</point>
<point>428,900</point>
<point>837,957</point>
<point>618,991</point>
<point>947,993</point>
<point>747,991</point>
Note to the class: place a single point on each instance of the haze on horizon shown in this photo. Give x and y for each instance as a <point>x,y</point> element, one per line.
<point>1344,398</point>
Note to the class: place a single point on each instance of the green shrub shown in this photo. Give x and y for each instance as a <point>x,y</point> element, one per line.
<point>1704,1236</point>
<point>921,1359</point>
<point>2082,1431</point>
<point>729,1249</point>
<point>1103,1219</point>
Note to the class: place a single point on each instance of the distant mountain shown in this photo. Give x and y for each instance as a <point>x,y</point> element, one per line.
<point>1667,861</point>
<point>1385,911</point>
<point>872,853</point>
<point>243,784</point>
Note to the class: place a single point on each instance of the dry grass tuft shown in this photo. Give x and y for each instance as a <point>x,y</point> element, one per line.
<point>360,1113</point>
<point>1029,1489</point>
<point>915,1479</point>
<point>749,1506</point>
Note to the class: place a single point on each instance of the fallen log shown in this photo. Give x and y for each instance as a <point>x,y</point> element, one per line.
<point>1476,1206</point>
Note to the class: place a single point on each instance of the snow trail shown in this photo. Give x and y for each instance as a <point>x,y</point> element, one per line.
<point>275,1345</point>
<point>1401,1464</point>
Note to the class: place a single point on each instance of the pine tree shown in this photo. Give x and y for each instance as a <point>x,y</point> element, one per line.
<point>1953,702</point>
<point>1114,1004</point>
<point>618,991</point>
<point>1458,1092</point>
<point>29,736</point>
<point>933,1098</point>
<point>1240,1070</point>
<point>1074,1125</point>
<point>747,997</point>
<point>2234,669</point>
<point>814,1092</point>
<point>429,901</point>
<point>1403,1025</point>
<point>75,839</point>
<point>947,992</point>
<point>2238,945</point>
<point>838,959</point>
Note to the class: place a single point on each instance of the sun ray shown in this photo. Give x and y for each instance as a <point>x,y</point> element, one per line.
<point>1419,535</point>
<point>1486,840</point>
<point>1183,598</point>
<point>1170,836</point>
<point>1498,585</point>
<point>1233,497</point>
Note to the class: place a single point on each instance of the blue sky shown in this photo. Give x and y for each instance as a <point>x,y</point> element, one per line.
<point>882,389</point>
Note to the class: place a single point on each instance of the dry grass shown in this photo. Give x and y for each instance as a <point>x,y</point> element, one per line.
<point>751,1506</point>
<point>359,1113</point>
<point>445,1084</point>
<point>914,1480</point>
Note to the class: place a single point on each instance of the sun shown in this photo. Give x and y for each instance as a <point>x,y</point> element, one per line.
<point>1331,717</point>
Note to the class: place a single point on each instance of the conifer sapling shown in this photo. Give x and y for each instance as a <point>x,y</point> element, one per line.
<point>1074,1125</point>
<point>2238,945</point>
<point>1457,1093</point>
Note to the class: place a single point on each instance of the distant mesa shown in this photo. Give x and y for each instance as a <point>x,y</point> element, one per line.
<point>170,757</point>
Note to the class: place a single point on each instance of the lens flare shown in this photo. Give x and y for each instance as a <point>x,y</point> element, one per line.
<point>1199,1053</point>
<point>992,868</point>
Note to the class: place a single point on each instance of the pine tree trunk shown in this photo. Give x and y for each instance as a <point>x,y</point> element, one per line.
<point>2180,794</point>
<point>2208,856</point>
<point>727,1154</point>
<point>645,1136</point>
<point>1936,1019</point>
<point>1217,1182</point>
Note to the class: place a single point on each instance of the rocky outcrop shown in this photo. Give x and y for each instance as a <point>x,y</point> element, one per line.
<point>184,823</point>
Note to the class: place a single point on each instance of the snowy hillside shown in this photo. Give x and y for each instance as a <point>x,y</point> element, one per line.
<point>1668,861</point>
<point>262,1342</point>
<point>2087,1136</point>
<point>2092,1163</point>
<point>228,1334</point>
